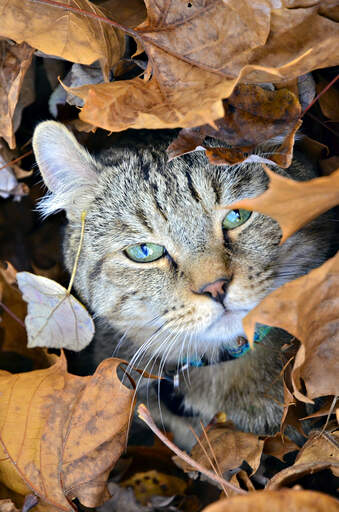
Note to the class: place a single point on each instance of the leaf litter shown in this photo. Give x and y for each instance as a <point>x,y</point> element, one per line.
<point>218,69</point>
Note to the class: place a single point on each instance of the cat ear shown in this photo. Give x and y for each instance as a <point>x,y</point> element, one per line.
<point>68,170</point>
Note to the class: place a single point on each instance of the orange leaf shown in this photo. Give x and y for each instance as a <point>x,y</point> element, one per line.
<point>293,203</point>
<point>60,434</point>
<point>308,308</point>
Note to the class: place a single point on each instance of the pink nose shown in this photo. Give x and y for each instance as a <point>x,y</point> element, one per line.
<point>217,289</point>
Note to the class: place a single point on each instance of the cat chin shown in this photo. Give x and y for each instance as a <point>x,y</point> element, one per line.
<point>223,331</point>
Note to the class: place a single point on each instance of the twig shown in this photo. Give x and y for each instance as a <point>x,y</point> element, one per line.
<point>319,95</point>
<point>16,159</point>
<point>83,217</point>
<point>145,416</point>
<point>13,315</point>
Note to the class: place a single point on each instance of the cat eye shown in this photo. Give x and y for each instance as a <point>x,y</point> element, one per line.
<point>235,218</point>
<point>144,253</point>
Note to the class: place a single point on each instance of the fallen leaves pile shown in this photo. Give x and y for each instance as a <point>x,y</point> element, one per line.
<point>241,73</point>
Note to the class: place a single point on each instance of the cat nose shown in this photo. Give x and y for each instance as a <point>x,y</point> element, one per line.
<point>216,290</point>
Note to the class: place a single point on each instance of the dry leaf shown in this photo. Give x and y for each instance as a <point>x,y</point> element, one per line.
<point>55,318</point>
<point>60,434</point>
<point>329,101</point>
<point>278,446</point>
<point>277,501</point>
<point>320,452</point>
<point>65,34</point>
<point>150,483</point>
<point>252,115</point>
<point>15,60</point>
<point>291,203</point>
<point>199,51</point>
<point>308,308</point>
<point>231,448</point>
<point>129,13</point>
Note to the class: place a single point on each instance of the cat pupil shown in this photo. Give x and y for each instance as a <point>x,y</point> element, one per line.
<point>145,250</point>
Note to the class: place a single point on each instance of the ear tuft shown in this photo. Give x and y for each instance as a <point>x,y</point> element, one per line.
<point>68,170</point>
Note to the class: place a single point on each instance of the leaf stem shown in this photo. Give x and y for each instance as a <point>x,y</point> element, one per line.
<point>13,315</point>
<point>145,415</point>
<point>83,217</point>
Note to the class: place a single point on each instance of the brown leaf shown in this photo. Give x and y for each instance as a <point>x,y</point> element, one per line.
<point>277,446</point>
<point>14,63</point>
<point>320,452</point>
<point>291,203</point>
<point>252,115</point>
<point>329,101</point>
<point>129,13</point>
<point>69,432</point>
<point>277,501</point>
<point>308,308</point>
<point>65,34</point>
<point>230,446</point>
<point>199,51</point>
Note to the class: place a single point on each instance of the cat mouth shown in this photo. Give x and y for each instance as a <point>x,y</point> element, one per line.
<point>226,326</point>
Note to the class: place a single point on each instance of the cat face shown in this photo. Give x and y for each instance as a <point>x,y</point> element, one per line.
<point>161,261</point>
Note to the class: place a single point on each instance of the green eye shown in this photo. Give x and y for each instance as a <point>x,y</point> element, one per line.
<point>235,218</point>
<point>143,253</point>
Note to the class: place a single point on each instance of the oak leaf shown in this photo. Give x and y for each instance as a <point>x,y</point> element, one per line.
<point>15,60</point>
<point>292,203</point>
<point>308,308</point>
<point>276,501</point>
<point>55,318</point>
<point>198,52</point>
<point>59,32</point>
<point>60,434</point>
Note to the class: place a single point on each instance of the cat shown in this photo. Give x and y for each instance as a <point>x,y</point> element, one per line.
<point>169,275</point>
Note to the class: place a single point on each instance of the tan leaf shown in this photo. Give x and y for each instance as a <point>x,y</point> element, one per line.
<point>55,318</point>
<point>65,34</point>
<point>320,452</point>
<point>60,434</point>
<point>14,62</point>
<point>308,308</point>
<point>129,13</point>
<point>230,447</point>
<point>277,501</point>
<point>252,115</point>
<point>292,203</point>
<point>198,52</point>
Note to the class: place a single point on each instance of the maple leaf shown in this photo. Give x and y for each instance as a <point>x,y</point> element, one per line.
<point>69,35</point>
<point>252,115</point>
<point>15,60</point>
<point>60,434</point>
<point>198,52</point>
<point>291,203</point>
<point>308,308</point>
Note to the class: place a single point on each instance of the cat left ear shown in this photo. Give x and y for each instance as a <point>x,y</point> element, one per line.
<point>68,170</point>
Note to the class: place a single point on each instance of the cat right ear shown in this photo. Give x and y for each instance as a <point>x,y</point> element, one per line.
<point>68,170</point>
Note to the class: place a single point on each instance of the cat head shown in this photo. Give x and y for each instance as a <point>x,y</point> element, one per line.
<point>161,262</point>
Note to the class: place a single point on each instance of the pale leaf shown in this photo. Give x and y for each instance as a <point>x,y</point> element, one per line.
<point>55,318</point>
